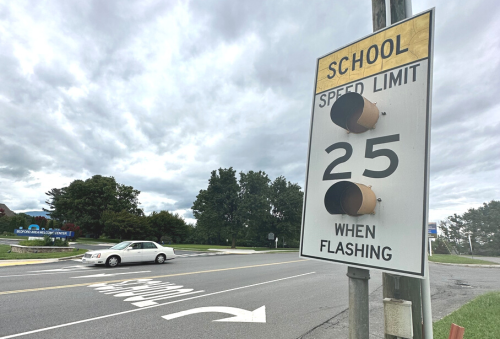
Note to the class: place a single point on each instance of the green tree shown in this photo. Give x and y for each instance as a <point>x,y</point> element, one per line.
<point>482,224</point>
<point>440,246</point>
<point>209,228</point>
<point>217,206</point>
<point>166,224</point>
<point>254,207</point>
<point>54,195</point>
<point>84,202</point>
<point>247,210</point>
<point>9,224</point>
<point>5,225</point>
<point>124,225</point>
<point>286,209</point>
<point>224,189</point>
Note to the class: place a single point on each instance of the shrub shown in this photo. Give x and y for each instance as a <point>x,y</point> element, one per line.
<point>439,246</point>
<point>47,241</point>
<point>59,242</point>
<point>32,243</point>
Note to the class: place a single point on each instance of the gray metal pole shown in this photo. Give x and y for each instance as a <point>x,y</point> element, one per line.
<point>426,303</point>
<point>359,325</point>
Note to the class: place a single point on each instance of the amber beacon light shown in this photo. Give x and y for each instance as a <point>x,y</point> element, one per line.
<point>354,113</point>
<point>345,197</point>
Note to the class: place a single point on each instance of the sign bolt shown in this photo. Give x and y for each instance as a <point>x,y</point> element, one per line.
<point>384,113</point>
<point>379,199</point>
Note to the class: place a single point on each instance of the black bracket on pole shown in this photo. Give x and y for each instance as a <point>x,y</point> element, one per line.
<point>358,273</point>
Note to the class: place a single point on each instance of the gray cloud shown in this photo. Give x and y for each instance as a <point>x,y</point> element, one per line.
<point>160,93</point>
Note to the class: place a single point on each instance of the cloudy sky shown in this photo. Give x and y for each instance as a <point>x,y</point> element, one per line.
<point>160,93</point>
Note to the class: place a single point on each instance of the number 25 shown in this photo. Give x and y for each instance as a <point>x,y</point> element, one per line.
<point>369,153</point>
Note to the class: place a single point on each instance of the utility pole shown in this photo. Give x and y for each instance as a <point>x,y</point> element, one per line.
<point>384,14</point>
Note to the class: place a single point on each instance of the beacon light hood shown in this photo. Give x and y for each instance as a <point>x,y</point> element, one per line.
<point>354,113</point>
<point>345,197</point>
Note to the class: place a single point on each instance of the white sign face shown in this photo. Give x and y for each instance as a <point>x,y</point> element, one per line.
<point>392,68</point>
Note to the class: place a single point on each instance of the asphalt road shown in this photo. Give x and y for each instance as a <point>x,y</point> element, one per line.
<point>274,296</point>
<point>58,300</point>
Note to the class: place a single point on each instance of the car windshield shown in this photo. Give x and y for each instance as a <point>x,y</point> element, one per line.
<point>121,245</point>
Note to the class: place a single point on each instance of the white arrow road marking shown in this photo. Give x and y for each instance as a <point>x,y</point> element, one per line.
<point>108,275</point>
<point>241,315</point>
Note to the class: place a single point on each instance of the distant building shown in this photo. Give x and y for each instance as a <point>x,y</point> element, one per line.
<point>7,210</point>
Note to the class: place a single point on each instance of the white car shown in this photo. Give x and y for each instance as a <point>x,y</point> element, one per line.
<point>130,251</point>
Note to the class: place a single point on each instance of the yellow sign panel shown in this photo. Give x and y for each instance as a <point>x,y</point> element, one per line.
<point>393,47</point>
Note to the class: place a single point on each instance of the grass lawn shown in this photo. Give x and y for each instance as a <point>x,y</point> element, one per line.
<point>455,259</point>
<point>11,256</point>
<point>194,247</point>
<point>480,318</point>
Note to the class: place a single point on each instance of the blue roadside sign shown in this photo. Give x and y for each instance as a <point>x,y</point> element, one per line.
<point>432,229</point>
<point>41,233</point>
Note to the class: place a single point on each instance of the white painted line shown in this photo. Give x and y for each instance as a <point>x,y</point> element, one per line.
<point>49,273</point>
<point>107,275</point>
<point>146,307</point>
<point>64,269</point>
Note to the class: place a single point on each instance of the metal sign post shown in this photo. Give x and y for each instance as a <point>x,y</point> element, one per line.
<point>358,303</point>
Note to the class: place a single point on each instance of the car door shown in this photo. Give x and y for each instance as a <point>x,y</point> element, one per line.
<point>150,251</point>
<point>133,253</point>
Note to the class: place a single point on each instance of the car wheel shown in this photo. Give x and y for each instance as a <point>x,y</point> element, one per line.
<point>112,261</point>
<point>160,259</point>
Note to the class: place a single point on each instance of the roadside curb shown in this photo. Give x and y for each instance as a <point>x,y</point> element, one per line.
<point>72,257</point>
<point>466,265</point>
